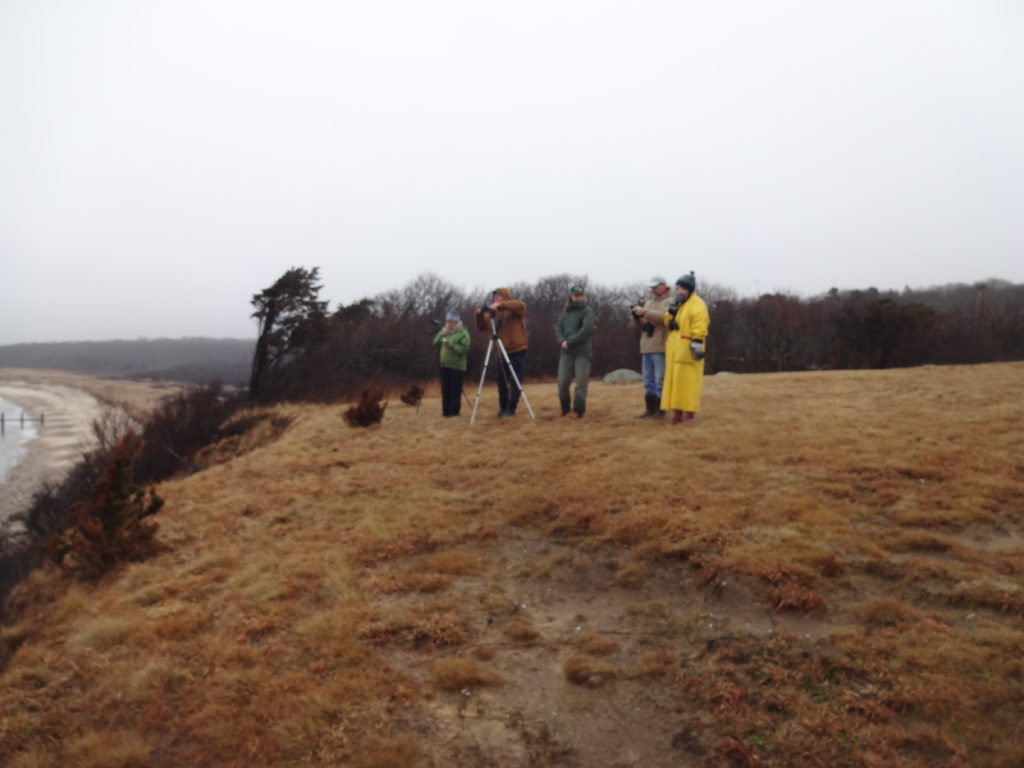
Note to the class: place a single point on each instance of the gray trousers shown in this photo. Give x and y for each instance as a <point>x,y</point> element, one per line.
<point>572,366</point>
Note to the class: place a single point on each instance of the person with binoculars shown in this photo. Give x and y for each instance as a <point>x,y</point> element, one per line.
<point>687,321</point>
<point>648,316</point>
<point>453,342</point>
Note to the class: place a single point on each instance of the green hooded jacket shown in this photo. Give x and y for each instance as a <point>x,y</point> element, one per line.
<point>454,347</point>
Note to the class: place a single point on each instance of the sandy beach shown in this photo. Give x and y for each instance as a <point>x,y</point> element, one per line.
<point>70,404</point>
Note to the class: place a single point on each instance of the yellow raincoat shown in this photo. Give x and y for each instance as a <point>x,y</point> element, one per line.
<point>684,376</point>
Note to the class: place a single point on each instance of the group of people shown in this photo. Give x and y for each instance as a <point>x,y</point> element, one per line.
<point>673,333</point>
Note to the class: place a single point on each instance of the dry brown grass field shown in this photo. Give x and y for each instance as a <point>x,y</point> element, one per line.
<point>825,569</point>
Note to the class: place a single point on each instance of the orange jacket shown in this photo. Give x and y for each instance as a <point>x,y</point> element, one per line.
<point>511,321</point>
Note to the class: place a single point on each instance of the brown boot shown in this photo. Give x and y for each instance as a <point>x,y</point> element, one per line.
<point>677,417</point>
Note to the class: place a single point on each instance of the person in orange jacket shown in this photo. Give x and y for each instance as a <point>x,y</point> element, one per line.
<point>510,318</point>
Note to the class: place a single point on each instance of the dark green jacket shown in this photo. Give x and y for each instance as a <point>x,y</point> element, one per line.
<point>453,353</point>
<point>576,326</point>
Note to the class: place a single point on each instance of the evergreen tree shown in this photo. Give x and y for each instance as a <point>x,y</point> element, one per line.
<point>291,320</point>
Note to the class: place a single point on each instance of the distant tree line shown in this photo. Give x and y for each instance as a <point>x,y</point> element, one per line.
<point>194,360</point>
<point>305,352</point>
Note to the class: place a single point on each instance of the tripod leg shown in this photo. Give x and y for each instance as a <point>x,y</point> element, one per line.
<point>515,378</point>
<point>480,386</point>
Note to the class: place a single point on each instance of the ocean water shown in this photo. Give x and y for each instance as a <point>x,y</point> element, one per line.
<point>15,438</point>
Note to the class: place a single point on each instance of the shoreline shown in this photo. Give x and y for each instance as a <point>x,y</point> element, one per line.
<point>59,443</point>
<point>71,404</point>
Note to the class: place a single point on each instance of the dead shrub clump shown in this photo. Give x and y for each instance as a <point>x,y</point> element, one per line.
<point>412,396</point>
<point>455,674</point>
<point>368,411</point>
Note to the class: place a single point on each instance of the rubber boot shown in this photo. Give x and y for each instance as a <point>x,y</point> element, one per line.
<point>652,406</point>
<point>656,405</point>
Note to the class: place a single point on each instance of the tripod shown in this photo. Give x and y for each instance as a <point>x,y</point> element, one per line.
<point>508,367</point>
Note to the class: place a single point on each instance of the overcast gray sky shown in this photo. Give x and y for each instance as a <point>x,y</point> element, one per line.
<point>162,161</point>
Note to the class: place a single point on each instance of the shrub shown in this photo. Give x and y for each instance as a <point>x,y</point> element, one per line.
<point>413,395</point>
<point>110,528</point>
<point>176,430</point>
<point>368,411</point>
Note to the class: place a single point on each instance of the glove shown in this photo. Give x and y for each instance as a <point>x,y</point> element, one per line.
<point>673,325</point>
<point>697,349</point>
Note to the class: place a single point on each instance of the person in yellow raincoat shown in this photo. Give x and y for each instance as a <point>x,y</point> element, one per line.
<point>687,320</point>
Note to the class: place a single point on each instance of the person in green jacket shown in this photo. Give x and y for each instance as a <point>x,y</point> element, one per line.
<point>453,340</point>
<point>573,331</point>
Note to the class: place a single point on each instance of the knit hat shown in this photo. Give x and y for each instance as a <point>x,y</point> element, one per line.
<point>576,288</point>
<point>504,292</point>
<point>452,316</point>
<point>657,280</point>
<point>688,281</point>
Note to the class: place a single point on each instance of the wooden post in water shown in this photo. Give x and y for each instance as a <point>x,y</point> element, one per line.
<point>1,423</point>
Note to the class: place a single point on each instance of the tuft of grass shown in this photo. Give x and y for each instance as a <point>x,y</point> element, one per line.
<point>456,674</point>
<point>519,631</point>
<point>597,645</point>
<point>632,576</point>
<point>104,632</point>
<point>583,669</point>
<point>159,676</point>
<point>453,562</point>
<point>885,612</point>
<point>484,653</point>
